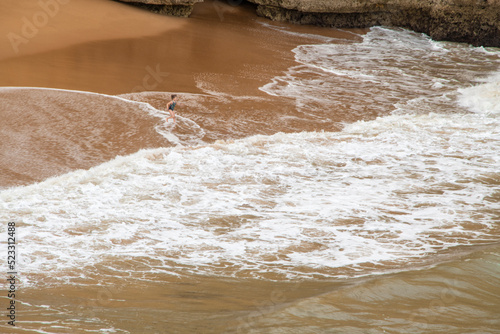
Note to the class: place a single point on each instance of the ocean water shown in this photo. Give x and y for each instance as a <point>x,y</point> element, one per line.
<point>398,210</point>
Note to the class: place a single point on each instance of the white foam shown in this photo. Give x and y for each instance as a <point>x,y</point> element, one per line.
<point>403,64</point>
<point>398,189</point>
<point>482,98</point>
<point>190,132</point>
<point>286,30</point>
<point>395,189</point>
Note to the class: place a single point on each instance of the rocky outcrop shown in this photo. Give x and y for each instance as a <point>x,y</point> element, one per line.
<point>471,21</point>
<point>181,8</point>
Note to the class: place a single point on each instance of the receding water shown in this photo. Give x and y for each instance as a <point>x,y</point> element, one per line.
<point>352,187</point>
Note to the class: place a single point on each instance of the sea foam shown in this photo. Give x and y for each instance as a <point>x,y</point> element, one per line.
<point>391,190</point>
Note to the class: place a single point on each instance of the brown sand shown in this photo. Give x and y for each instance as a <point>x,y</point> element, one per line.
<point>222,52</point>
<point>112,48</point>
<point>31,27</point>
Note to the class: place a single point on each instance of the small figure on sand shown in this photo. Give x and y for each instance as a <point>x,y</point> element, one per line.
<point>171,106</point>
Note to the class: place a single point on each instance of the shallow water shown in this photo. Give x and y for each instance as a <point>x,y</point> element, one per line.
<point>316,181</point>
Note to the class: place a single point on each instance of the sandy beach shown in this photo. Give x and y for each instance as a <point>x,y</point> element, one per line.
<point>315,181</point>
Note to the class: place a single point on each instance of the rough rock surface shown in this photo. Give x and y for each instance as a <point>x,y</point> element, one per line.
<point>471,21</point>
<point>181,8</point>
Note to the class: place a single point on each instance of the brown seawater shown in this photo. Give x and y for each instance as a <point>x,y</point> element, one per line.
<point>316,180</point>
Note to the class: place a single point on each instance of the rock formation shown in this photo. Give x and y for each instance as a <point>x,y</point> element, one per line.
<point>181,8</point>
<point>471,21</point>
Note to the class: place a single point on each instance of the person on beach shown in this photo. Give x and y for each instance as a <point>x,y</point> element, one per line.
<point>171,106</point>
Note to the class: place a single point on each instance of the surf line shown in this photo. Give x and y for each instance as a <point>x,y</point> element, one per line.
<point>11,273</point>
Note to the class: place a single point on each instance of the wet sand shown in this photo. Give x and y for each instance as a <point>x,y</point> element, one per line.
<point>457,296</point>
<point>217,59</point>
<point>217,44</point>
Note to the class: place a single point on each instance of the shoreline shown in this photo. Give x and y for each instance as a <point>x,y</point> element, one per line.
<point>37,28</point>
<point>229,45</point>
<point>226,58</point>
<point>278,213</point>
<point>462,21</point>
